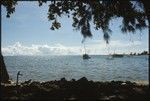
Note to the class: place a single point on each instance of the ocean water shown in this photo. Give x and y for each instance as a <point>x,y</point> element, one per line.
<point>98,68</point>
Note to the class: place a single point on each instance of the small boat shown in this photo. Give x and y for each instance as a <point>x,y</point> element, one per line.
<point>86,56</point>
<point>110,58</point>
<point>117,55</point>
<point>128,55</point>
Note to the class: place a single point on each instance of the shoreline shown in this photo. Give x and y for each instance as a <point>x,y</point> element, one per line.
<point>138,82</point>
<point>75,89</point>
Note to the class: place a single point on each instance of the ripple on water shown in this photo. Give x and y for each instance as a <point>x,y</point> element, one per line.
<point>97,68</point>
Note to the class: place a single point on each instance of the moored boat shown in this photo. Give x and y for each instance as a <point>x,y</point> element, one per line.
<point>86,56</point>
<point>117,55</point>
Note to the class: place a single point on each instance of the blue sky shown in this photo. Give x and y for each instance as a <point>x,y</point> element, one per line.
<point>27,32</point>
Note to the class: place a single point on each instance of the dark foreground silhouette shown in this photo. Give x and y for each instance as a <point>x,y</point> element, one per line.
<point>75,89</point>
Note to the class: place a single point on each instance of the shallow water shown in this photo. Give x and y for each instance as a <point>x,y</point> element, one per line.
<point>98,68</point>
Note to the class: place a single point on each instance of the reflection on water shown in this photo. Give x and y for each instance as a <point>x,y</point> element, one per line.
<point>98,68</point>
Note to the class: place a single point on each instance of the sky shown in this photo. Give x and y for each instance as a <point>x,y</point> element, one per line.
<point>27,32</point>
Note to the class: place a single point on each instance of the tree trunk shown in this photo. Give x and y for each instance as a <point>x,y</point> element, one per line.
<point>4,73</point>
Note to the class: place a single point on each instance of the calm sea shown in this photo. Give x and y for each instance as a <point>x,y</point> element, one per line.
<point>98,68</point>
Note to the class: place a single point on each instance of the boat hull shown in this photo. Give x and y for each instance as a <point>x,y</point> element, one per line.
<point>86,56</point>
<point>117,55</point>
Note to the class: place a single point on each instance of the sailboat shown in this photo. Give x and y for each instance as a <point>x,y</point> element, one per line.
<point>117,55</point>
<point>85,55</point>
<point>109,55</point>
<point>131,53</point>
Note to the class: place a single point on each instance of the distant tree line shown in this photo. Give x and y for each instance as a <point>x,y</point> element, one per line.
<point>142,53</point>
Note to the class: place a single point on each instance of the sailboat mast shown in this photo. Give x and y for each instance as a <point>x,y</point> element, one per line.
<point>84,48</point>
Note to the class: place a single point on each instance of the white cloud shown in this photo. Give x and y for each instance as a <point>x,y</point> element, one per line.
<point>93,47</point>
<point>56,49</point>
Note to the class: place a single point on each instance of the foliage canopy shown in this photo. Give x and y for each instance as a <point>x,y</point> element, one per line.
<point>100,13</point>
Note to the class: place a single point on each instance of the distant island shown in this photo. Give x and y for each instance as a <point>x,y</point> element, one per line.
<point>142,53</point>
<point>130,54</point>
